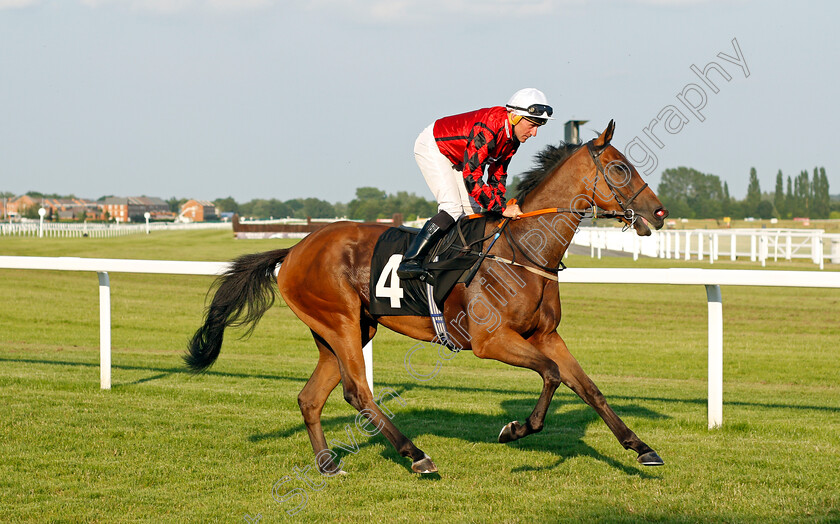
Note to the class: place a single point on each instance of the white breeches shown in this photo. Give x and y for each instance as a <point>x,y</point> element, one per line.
<point>446,182</point>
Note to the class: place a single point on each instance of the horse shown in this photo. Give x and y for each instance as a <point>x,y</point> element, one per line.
<point>325,281</point>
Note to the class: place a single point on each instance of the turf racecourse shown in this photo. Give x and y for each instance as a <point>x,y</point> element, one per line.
<point>165,446</point>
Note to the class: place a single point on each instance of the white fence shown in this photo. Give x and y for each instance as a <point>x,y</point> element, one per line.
<point>289,221</point>
<point>712,279</point>
<point>713,244</point>
<point>96,230</point>
<point>104,266</point>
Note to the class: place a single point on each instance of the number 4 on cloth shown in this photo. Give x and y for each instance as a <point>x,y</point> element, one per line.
<point>392,290</point>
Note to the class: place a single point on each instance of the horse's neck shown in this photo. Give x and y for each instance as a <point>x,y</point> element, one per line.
<point>566,189</point>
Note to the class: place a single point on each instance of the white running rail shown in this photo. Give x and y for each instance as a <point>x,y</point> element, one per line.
<point>712,279</point>
<point>97,230</point>
<point>759,245</point>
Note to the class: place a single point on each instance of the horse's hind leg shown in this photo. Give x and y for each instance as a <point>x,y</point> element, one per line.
<point>578,381</point>
<point>344,338</point>
<point>347,344</point>
<point>311,400</point>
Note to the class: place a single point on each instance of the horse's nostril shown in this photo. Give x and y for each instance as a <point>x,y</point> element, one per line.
<point>660,213</point>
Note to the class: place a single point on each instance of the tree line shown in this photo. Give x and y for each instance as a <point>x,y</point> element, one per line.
<point>688,193</point>
<point>685,192</point>
<point>370,203</point>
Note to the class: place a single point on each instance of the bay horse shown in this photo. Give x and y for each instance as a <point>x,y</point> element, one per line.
<point>325,280</point>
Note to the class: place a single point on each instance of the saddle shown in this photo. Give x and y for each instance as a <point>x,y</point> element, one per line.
<point>449,262</point>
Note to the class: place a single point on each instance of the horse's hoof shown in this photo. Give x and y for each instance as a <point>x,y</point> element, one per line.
<point>508,432</point>
<point>650,459</point>
<point>424,465</point>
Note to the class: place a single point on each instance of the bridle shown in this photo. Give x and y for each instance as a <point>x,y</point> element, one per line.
<point>618,195</point>
<point>624,202</point>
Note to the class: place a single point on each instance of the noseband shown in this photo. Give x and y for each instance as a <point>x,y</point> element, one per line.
<point>618,195</point>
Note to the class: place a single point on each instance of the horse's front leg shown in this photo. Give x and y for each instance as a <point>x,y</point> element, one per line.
<point>553,346</point>
<point>509,347</point>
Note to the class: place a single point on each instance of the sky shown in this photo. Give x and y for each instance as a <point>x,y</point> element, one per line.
<point>314,98</point>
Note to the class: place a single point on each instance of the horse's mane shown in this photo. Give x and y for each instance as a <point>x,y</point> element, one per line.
<point>545,162</point>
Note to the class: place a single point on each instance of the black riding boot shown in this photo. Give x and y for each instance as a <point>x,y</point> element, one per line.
<point>412,263</point>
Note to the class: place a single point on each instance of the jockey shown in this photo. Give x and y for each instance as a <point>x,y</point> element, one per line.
<point>452,153</point>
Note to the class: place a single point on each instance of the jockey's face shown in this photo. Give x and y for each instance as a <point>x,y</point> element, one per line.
<point>524,129</point>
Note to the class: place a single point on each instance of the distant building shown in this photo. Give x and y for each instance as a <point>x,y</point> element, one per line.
<point>70,208</point>
<point>198,211</point>
<point>4,208</point>
<point>15,207</point>
<point>132,209</point>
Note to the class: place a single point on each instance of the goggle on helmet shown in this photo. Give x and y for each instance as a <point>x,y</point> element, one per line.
<point>530,104</point>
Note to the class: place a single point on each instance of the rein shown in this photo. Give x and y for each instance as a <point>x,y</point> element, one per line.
<point>546,272</point>
<point>627,213</point>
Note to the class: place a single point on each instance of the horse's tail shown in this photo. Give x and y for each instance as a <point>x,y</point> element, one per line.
<point>244,293</point>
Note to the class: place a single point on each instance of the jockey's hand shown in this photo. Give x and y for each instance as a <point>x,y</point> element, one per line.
<point>512,211</point>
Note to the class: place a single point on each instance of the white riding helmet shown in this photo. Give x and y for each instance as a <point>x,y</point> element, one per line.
<point>531,104</point>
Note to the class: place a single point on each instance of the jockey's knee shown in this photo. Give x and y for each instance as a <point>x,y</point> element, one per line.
<point>455,212</point>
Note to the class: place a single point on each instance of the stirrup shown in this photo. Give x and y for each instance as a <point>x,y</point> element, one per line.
<point>411,269</point>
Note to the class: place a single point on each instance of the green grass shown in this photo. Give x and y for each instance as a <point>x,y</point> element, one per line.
<point>165,446</point>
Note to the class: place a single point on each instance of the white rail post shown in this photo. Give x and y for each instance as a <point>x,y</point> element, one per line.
<point>601,241</point>
<point>820,250</point>
<point>711,248</point>
<point>367,353</point>
<point>104,330</point>
<point>41,213</point>
<point>700,235</point>
<point>733,247</point>
<point>715,246</point>
<point>676,245</point>
<point>715,355</point>
<point>762,248</point>
<point>687,245</point>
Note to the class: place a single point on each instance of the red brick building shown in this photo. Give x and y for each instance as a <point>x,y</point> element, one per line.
<point>70,208</point>
<point>133,209</point>
<point>17,206</point>
<point>198,211</point>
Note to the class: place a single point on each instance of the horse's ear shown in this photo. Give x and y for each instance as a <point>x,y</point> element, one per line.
<point>606,136</point>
